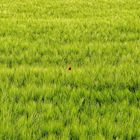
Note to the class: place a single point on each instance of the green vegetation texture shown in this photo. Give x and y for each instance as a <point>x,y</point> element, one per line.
<point>98,99</point>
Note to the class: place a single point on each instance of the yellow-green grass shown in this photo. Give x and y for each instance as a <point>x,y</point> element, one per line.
<point>99,98</point>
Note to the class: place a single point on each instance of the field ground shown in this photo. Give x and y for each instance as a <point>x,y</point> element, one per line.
<point>40,98</point>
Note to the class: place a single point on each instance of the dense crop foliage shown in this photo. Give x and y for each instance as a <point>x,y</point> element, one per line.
<point>99,98</point>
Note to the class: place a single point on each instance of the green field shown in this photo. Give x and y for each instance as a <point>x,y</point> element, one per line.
<point>99,98</point>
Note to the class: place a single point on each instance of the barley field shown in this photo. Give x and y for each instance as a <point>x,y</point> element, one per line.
<point>69,70</point>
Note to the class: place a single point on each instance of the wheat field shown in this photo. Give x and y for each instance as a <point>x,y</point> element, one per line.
<point>69,69</point>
